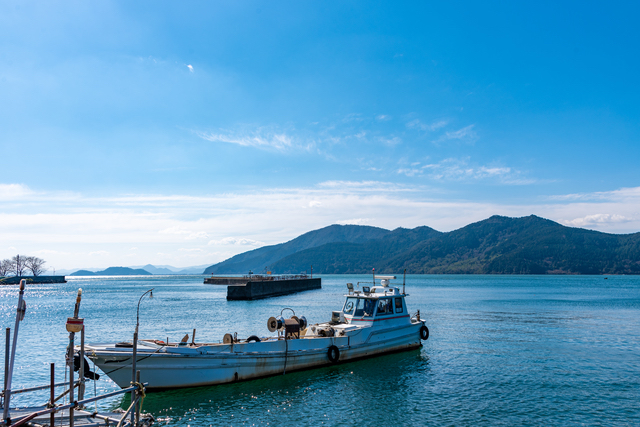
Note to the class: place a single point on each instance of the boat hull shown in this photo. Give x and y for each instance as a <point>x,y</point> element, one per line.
<point>175,367</point>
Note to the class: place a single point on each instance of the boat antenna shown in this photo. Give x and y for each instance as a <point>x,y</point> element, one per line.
<point>404,279</point>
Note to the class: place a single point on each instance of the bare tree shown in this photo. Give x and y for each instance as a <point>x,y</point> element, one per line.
<point>34,264</point>
<point>5,267</point>
<point>17,264</point>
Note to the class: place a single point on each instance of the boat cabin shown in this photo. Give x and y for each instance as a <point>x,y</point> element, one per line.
<point>378,303</point>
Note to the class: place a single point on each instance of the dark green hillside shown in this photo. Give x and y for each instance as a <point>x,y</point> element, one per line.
<point>529,245</point>
<point>498,245</point>
<point>348,258</point>
<point>259,259</point>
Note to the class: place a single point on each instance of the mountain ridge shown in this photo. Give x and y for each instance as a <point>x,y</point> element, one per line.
<point>496,245</point>
<point>261,258</point>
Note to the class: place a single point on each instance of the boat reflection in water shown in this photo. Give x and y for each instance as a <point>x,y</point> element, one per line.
<point>374,320</point>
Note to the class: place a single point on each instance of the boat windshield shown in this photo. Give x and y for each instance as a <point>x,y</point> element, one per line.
<point>365,307</point>
<point>349,305</point>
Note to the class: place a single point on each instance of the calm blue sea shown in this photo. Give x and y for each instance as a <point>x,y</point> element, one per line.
<point>503,350</point>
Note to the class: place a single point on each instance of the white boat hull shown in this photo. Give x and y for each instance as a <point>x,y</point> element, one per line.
<point>166,367</point>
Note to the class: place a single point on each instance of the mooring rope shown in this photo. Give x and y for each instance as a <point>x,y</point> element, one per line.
<point>137,360</point>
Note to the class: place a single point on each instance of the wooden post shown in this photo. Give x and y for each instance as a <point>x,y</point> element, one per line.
<point>52,394</point>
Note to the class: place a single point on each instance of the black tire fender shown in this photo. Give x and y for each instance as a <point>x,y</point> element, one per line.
<point>334,354</point>
<point>253,338</point>
<point>424,333</point>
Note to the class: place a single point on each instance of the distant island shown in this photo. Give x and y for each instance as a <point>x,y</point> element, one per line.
<point>139,270</point>
<point>113,271</point>
<point>497,245</point>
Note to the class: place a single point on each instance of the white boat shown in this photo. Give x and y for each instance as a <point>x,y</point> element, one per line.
<point>373,320</point>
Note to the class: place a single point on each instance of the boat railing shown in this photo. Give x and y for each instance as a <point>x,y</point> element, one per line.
<point>42,387</point>
<point>137,389</point>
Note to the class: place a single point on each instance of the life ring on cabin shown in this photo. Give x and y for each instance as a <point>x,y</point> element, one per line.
<point>333,353</point>
<point>424,333</point>
<point>253,338</point>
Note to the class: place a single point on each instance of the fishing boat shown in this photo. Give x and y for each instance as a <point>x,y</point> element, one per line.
<point>374,320</point>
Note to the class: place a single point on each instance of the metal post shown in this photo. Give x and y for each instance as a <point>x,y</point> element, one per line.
<point>52,417</point>
<point>81,372</point>
<point>135,343</point>
<point>72,337</point>
<point>19,316</point>
<point>7,347</point>
<point>133,371</point>
<point>404,279</point>
<point>138,394</point>
<point>71,385</point>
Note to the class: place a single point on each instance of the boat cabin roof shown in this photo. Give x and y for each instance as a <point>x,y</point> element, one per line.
<point>376,292</point>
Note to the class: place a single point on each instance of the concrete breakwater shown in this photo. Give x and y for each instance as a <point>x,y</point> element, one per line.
<point>15,280</point>
<point>258,287</point>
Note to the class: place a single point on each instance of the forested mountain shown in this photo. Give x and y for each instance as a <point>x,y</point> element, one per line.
<point>497,245</point>
<point>260,259</point>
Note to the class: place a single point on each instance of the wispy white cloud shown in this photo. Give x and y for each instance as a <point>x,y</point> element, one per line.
<point>190,67</point>
<point>354,221</point>
<point>391,141</point>
<point>466,134</point>
<point>98,253</point>
<point>598,220</point>
<point>632,193</point>
<point>14,191</point>
<point>236,241</point>
<point>427,127</point>
<point>257,139</point>
<point>352,117</point>
<point>453,169</point>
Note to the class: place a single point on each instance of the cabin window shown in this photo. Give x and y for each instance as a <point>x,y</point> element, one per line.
<point>399,305</point>
<point>385,307</point>
<point>350,305</point>
<point>364,307</point>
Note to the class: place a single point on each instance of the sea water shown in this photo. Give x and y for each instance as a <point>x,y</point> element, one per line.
<point>503,350</point>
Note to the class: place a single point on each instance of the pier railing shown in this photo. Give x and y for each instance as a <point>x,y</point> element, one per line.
<point>74,324</point>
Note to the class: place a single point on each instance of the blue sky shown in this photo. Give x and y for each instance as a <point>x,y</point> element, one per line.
<point>165,133</point>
